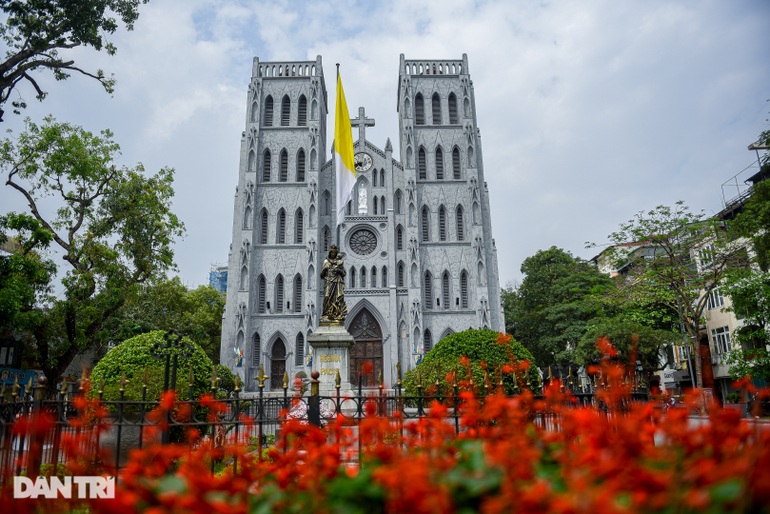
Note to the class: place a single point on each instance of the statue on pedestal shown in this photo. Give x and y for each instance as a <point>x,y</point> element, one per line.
<point>333,275</point>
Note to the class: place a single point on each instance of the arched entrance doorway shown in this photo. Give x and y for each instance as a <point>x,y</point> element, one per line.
<point>368,348</point>
<point>277,365</point>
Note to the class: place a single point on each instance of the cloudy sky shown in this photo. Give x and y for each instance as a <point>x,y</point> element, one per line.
<point>589,111</point>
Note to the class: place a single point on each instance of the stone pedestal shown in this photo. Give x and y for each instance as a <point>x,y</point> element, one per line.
<point>331,354</point>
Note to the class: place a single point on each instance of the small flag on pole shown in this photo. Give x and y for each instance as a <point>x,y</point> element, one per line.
<point>343,148</point>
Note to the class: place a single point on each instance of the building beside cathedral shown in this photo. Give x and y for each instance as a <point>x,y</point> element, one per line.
<point>420,259</point>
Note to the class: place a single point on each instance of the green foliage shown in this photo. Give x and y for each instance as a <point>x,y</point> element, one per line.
<point>134,356</point>
<point>167,304</point>
<point>35,32</point>
<point>111,225</point>
<point>620,331</point>
<point>484,348</point>
<point>549,310</point>
<point>226,378</point>
<point>753,221</point>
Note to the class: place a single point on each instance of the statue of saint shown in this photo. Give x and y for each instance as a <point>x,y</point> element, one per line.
<point>333,275</point>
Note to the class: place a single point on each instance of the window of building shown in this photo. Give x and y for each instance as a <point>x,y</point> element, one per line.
<point>419,110</point>
<point>464,289</point>
<point>445,289</point>
<point>400,274</point>
<point>285,111</point>
<point>302,111</point>
<point>374,276</point>
<point>252,164</point>
<point>327,205</point>
<point>428,290</point>
<point>442,223</point>
<point>279,293</point>
<point>720,337</point>
<point>425,221</point>
<point>263,227</point>
<point>266,166</point>
<point>439,164</point>
<point>280,235</point>
<point>268,114</point>
<point>715,299</point>
<point>453,109</point>
<point>399,237</point>
<point>456,173</point>
<point>255,350</point>
<point>427,341</point>
<point>384,276</point>
<point>397,202</point>
<point>422,169</point>
<point>284,176</point>
<point>352,277</point>
<point>301,165</point>
<point>327,238</point>
<point>261,292</point>
<point>436,108</point>
<point>299,350</point>
<point>298,293</point>
<point>299,226</point>
<point>244,278</point>
<point>460,223</point>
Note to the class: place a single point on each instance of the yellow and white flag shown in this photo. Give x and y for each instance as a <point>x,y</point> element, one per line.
<point>344,166</point>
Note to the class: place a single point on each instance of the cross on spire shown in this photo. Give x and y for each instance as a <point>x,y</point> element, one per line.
<point>362,121</point>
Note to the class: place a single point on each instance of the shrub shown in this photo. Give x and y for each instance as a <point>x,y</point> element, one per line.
<point>468,354</point>
<point>134,357</point>
<point>226,378</point>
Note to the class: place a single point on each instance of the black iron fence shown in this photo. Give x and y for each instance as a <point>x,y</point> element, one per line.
<point>254,417</point>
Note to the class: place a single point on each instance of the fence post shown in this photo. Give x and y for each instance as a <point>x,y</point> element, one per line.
<point>314,401</point>
<point>35,455</point>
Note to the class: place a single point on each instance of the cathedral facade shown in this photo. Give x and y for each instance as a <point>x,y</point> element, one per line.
<point>417,241</point>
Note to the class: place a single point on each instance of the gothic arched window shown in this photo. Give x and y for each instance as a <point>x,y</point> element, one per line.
<point>299,350</point>
<point>297,293</point>
<point>302,111</point>
<point>327,239</point>
<point>399,237</point>
<point>252,163</point>
<point>327,205</point>
<point>363,276</point>
<point>425,221</point>
<point>255,350</point>
<point>279,293</point>
<point>439,164</point>
<point>384,276</point>
<point>456,172</point>
<point>263,226</point>
<point>301,165</point>
<point>280,232</point>
<point>299,226</point>
<point>284,171</point>
<point>373,277</point>
<point>422,169</point>
<point>419,110</point>
<point>261,294</point>
<point>266,166</point>
<point>267,119</point>
<point>400,274</point>
<point>453,109</point>
<point>441,223</point>
<point>285,111</point>
<point>436,108</point>
<point>460,223</point>
<point>464,289</point>
<point>427,290</point>
<point>244,279</point>
<point>427,341</point>
<point>445,289</point>
<point>352,277</point>
<point>397,202</point>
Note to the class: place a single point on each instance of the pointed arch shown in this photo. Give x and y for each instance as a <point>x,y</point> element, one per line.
<point>352,278</point>
<point>425,224</point>
<point>436,108</point>
<point>279,293</point>
<point>427,290</point>
<point>267,115</point>
<point>470,157</point>
<point>299,350</point>
<point>481,273</point>
<point>299,226</point>
<point>280,229</point>
<point>382,205</point>
<point>415,276</point>
<point>441,223</point>
<point>243,280</point>
<point>397,202</point>
<point>255,350</point>
<point>327,203</point>
<point>261,294</point>
<point>439,163</point>
<point>327,238</point>
<point>422,168</point>
<point>427,341</point>
<point>263,218</point>
<point>384,276</point>
<point>419,110</point>
<point>363,276</point>
<point>446,333</point>
<point>254,111</point>
<point>476,213</point>
<point>285,111</point>
<point>314,110</point>
<point>456,171</point>
<point>400,274</point>
<point>366,328</point>
<point>252,161</point>
<point>302,111</point>
<point>310,275</point>
<point>301,165</point>
<point>464,290</point>
<point>266,164</point>
<point>460,223</point>
<point>453,109</point>
<point>247,217</point>
<point>382,177</point>
<point>445,296</point>
<point>297,300</point>
<point>284,166</point>
<point>399,237</point>
<point>373,276</point>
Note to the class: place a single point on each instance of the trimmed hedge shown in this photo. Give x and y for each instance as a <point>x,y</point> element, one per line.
<point>499,353</point>
<point>134,355</point>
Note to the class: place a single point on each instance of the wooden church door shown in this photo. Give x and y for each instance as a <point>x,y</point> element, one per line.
<point>277,365</point>
<point>368,349</point>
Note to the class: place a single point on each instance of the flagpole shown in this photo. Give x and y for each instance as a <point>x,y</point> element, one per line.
<point>339,245</point>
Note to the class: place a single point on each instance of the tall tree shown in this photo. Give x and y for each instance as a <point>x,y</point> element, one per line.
<point>36,31</point>
<point>688,256</point>
<point>549,310</point>
<point>167,304</point>
<point>111,225</point>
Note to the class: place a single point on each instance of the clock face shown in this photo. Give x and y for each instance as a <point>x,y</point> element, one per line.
<point>363,161</point>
